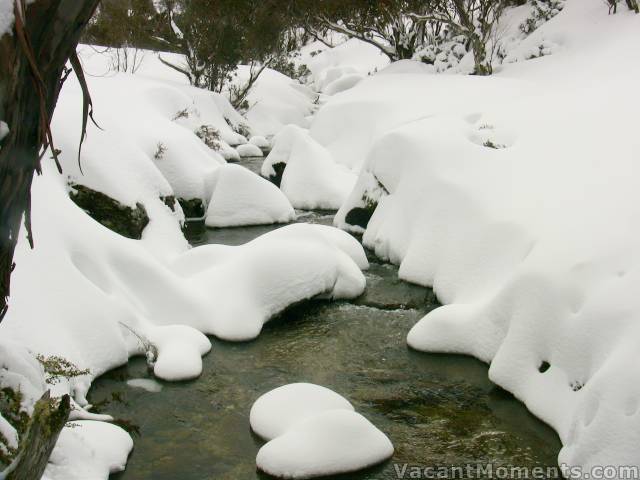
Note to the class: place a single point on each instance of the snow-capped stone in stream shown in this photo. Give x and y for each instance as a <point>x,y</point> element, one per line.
<point>260,142</point>
<point>269,273</point>
<point>311,179</point>
<point>280,152</point>
<point>280,409</point>
<point>329,443</point>
<point>249,150</point>
<point>240,197</point>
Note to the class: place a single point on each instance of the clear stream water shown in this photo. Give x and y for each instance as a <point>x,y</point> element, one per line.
<point>436,409</point>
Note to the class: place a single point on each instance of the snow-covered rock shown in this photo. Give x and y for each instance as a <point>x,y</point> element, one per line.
<point>89,450</point>
<point>277,411</point>
<point>279,156</point>
<point>332,442</point>
<point>148,384</point>
<point>260,142</point>
<point>343,83</point>
<point>309,177</point>
<point>312,180</point>
<point>249,150</point>
<point>240,197</point>
<point>269,273</point>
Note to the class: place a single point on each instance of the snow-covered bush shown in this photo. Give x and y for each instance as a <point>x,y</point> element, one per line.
<point>444,54</point>
<point>543,11</point>
<point>210,136</point>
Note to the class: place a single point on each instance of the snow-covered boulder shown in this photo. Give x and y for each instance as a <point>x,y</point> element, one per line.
<point>269,273</point>
<point>277,411</point>
<point>260,142</point>
<point>343,83</point>
<point>249,150</point>
<point>89,450</point>
<point>312,180</point>
<point>240,197</point>
<point>274,165</point>
<point>306,172</point>
<point>314,432</point>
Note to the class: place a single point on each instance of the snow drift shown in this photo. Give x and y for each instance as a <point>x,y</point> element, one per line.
<point>516,197</point>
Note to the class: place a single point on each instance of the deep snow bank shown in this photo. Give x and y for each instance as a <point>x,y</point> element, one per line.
<point>516,197</point>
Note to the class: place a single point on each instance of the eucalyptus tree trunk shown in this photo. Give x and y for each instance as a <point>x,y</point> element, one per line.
<point>32,62</point>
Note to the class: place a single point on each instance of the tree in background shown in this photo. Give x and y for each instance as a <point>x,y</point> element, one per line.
<point>398,28</point>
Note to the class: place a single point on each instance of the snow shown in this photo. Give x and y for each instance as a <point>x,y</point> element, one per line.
<point>276,101</point>
<point>313,432</point>
<point>281,151</point>
<point>515,197</point>
<point>89,450</point>
<point>311,179</point>
<point>6,17</point>
<point>277,411</point>
<point>147,384</point>
<point>260,142</point>
<point>4,130</point>
<point>269,273</point>
<point>343,83</point>
<point>249,150</point>
<point>240,197</point>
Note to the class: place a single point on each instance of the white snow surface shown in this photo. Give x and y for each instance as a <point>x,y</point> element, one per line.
<point>277,411</point>
<point>534,245</point>
<point>6,17</point>
<point>313,432</point>
<point>89,451</point>
<point>249,150</point>
<point>311,179</point>
<point>240,197</point>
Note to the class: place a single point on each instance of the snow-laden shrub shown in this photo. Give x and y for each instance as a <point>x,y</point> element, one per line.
<point>444,54</point>
<point>543,11</point>
<point>210,136</point>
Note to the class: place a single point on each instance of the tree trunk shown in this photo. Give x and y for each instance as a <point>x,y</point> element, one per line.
<point>49,417</point>
<point>31,67</point>
<point>482,64</point>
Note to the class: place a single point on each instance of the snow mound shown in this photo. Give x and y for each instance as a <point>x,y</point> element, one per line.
<point>312,180</point>
<point>260,142</point>
<point>343,83</point>
<point>90,450</point>
<point>277,411</point>
<point>240,197</point>
<point>249,150</point>
<point>269,273</point>
<point>330,443</point>
<point>281,151</point>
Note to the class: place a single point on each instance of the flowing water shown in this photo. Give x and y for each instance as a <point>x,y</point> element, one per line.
<point>437,409</point>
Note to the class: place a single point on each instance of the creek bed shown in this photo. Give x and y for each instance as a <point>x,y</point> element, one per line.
<point>437,409</point>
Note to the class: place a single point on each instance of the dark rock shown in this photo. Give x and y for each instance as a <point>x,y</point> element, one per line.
<point>193,208</point>
<point>169,201</point>
<point>277,178</point>
<point>127,221</point>
<point>360,216</point>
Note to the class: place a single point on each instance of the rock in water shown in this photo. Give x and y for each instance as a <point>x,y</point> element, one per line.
<point>314,432</point>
